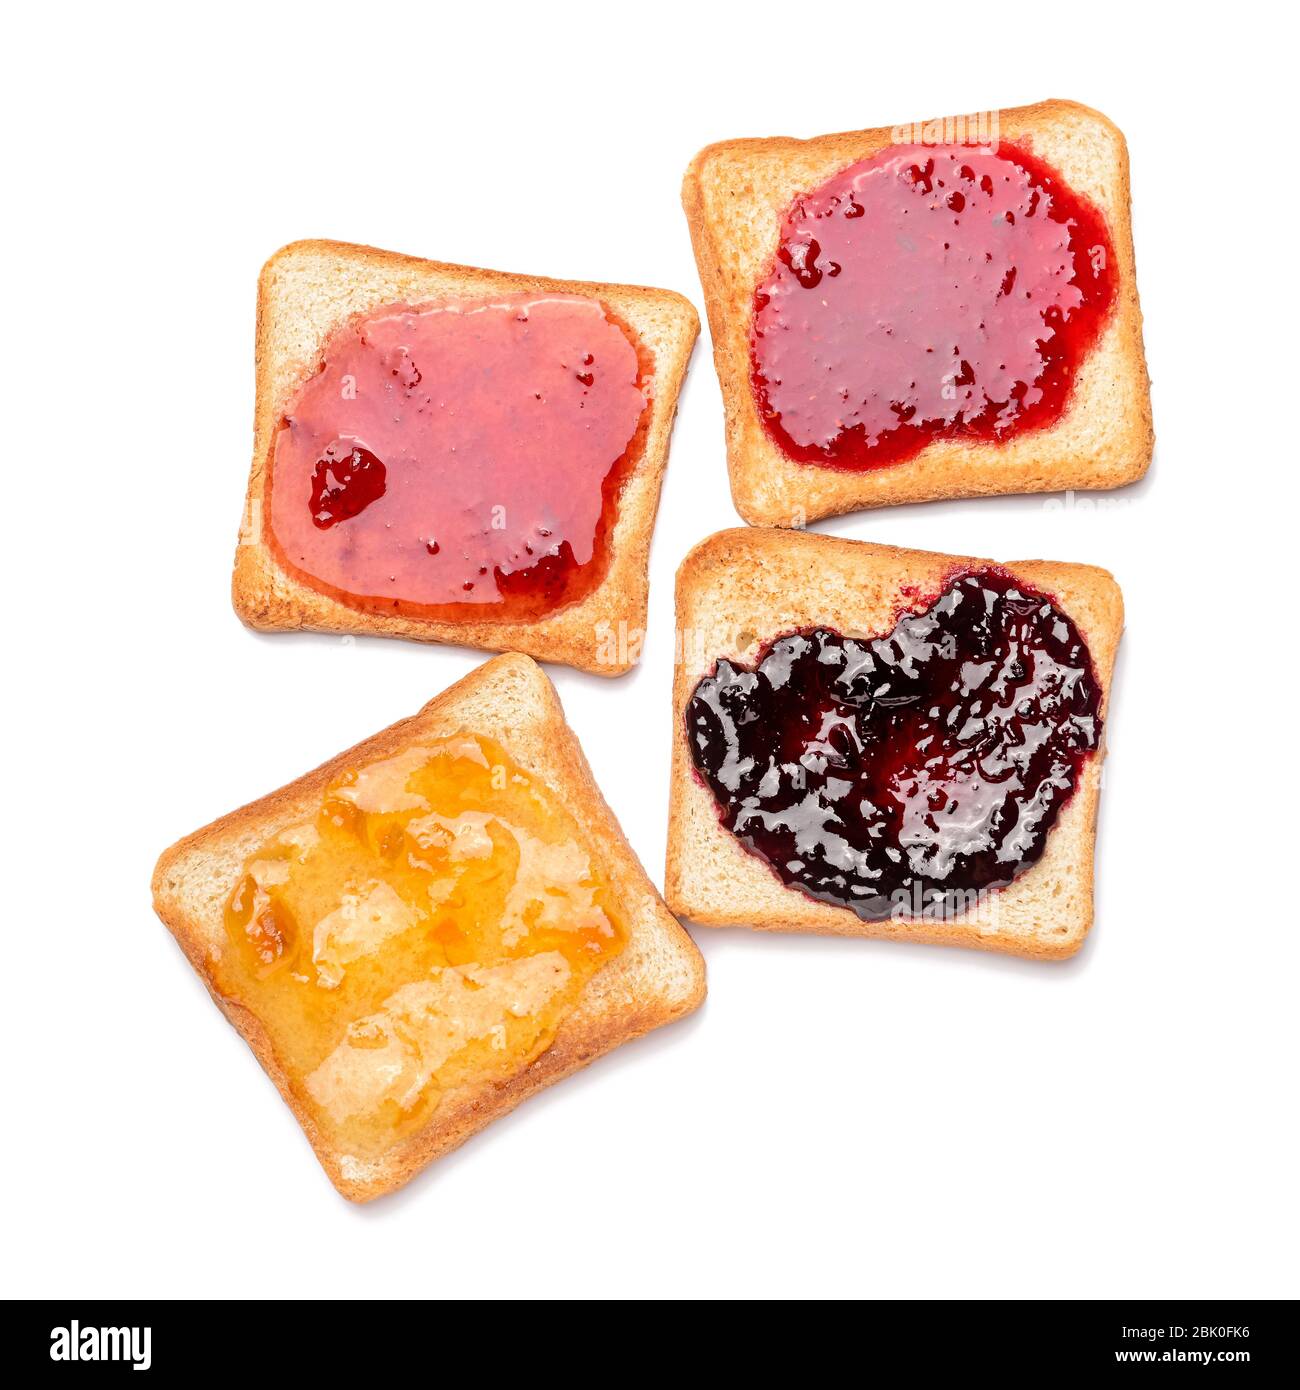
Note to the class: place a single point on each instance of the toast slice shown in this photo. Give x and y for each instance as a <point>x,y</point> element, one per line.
<point>735,195</point>
<point>740,589</point>
<point>307,290</point>
<point>657,977</point>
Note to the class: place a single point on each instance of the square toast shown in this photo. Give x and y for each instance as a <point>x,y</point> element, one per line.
<point>735,194</point>
<point>657,977</point>
<point>740,589</point>
<point>310,288</point>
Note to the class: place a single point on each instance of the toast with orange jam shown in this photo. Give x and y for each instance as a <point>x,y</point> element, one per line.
<point>429,928</point>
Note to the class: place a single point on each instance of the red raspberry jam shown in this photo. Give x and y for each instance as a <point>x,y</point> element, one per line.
<point>904,772</point>
<point>928,293</point>
<point>461,461</point>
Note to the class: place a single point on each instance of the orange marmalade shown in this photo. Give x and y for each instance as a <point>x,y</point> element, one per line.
<point>430,926</point>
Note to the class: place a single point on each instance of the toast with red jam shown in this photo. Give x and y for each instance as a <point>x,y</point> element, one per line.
<point>449,454</point>
<point>943,309</point>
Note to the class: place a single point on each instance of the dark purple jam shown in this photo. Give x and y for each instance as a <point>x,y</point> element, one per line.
<point>910,771</point>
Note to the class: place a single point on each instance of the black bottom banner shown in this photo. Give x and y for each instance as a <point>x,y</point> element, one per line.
<point>92,1339</point>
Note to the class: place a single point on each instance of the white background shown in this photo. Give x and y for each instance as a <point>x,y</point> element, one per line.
<point>842,1117</point>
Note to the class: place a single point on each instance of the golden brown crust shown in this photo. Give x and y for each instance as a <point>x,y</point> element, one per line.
<point>741,588</point>
<point>735,193</point>
<point>658,977</point>
<point>305,291</point>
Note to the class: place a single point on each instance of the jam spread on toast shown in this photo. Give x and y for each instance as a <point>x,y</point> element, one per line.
<point>904,775</point>
<point>460,462</point>
<point>426,927</point>
<point>931,292</point>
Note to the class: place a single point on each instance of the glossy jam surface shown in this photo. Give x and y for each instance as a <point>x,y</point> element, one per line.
<point>930,292</point>
<point>463,461</point>
<point>908,771</point>
<point>430,925</point>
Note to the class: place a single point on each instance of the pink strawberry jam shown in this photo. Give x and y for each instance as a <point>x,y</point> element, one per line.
<point>461,461</point>
<point>928,293</point>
